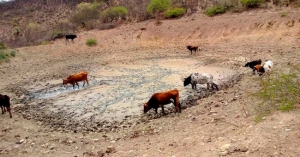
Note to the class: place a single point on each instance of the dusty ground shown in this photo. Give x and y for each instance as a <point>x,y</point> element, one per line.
<point>127,66</point>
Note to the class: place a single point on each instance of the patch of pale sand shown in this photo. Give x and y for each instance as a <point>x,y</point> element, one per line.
<point>188,66</point>
<point>178,64</point>
<point>128,65</point>
<point>107,72</point>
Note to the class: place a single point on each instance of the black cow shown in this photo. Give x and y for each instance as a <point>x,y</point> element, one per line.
<point>5,104</point>
<point>192,48</point>
<point>71,36</point>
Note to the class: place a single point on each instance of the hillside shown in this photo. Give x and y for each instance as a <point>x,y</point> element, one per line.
<point>127,65</point>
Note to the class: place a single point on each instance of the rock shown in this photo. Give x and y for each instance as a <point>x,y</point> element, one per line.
<point>20,141</point>
<point>226,149</point>
<point>110,149</point>
<point>100,153</point>
<point>51,147</point>
<point>242,148</point>
<point>88,154</point>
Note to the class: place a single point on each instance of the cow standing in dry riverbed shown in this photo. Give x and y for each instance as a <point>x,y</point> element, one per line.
<point>75,78</point>
<point>163,98</point>
<point>5,104</point>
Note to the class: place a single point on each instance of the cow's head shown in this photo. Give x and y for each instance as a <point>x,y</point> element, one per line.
<point>65,81</point>
<point>260,69</point>
<point>146,107</point>
<point>187,81</point>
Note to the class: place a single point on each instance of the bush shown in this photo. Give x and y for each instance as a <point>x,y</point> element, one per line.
<point>4,55</point>
<point>113,13</point>
<point>56,34</point>
<point>175,12</point>
<point>2,46</point>
<point>85,12</point>
<point>252,3</point>
<point>214,10</point>
<point>91,42</point>
<point>279,92</point>
<point>34,32</point>
<point>283,14</point>
<point>13,53</point>
<point>157,6</point>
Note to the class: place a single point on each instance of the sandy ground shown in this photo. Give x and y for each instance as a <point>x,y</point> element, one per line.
<point>127,66</point>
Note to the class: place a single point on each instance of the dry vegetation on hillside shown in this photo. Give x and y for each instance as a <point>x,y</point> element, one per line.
<point>32,22</point>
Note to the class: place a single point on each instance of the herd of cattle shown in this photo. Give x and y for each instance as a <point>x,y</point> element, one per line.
<point>163,98</point>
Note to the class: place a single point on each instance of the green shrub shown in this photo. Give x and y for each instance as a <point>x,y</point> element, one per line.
<point>44,42</point>
<point>2,46</point>
<point>175,12</point>
<point>13,53</point>
<point>157,6</point>
<point>214,10</point>
<point>283,14</point>
<point>4,55</point>
<point>251,3</point>
<point>279,92</point>
<point>91,42</point>
<point>114,13</point>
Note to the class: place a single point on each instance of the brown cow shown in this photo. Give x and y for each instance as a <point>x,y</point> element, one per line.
<point>5,104</point>
<point>162,99</point>
<point>192,48</point>
<point>75,78</point>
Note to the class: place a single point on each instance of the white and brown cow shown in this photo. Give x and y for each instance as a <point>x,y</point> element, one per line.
<point>200,78</point>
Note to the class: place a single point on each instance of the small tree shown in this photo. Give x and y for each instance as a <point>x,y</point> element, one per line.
<point>114,13</point>
<point>33,32</point>
<point>85,12</point>
<point>158,7</point>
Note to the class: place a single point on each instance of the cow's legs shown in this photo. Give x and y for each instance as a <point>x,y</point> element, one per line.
<point>87,82</point>
<point>155,109</point>
<point>253,71</point>
<point>2,109</point>
<point>195,86</point>
<point>162,108</point>
<point>9,111</point>
<point>77,85</point>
